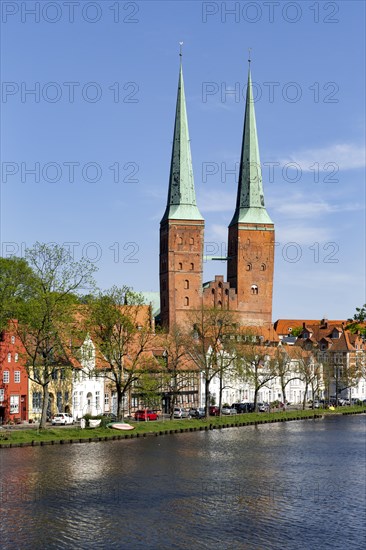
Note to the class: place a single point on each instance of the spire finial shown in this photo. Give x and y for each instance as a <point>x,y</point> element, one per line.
<point>249,55</point>
<point>180,49</point>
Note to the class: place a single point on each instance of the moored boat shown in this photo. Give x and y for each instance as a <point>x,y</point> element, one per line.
<point>121,426</point>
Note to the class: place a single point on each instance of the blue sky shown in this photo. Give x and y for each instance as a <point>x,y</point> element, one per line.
<point>98,133</point>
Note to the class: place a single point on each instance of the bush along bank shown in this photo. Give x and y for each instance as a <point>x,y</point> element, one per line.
<point>10,437</point>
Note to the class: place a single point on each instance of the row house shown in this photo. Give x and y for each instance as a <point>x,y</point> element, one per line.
<point>342,355</point>
<point>13,377</point>
<point>89,384</point>
<point>302,379</point>
<point>60,392</point>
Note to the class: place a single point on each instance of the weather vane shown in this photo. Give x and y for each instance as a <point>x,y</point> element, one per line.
<point>180,48</point>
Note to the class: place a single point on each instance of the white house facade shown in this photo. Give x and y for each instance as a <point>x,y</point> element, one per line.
<point>88,385</point>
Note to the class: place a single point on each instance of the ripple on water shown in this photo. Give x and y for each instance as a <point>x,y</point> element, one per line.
<point>285,486</point>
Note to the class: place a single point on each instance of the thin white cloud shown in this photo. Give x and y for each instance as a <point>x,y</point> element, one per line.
<point>345,156</point>
<point>305,207</point>
<point>300,235</point>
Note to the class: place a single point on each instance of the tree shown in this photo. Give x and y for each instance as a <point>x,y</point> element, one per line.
<point>357,323</point>
<point>309,371</point>
<point>15,281</point>
<point>121,331</point>
<point>177,364</point>
<point>45,312</point>
<point>256,364</point>
<point>284,368</point>
<point>211,328</point>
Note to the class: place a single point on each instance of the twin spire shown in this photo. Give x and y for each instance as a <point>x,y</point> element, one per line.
<point>181,196</point>
<point>181,203</point>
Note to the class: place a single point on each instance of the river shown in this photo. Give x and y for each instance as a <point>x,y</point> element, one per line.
<point>294,485</point>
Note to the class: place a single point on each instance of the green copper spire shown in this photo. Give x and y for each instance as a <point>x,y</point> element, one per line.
<point>250,199</point>
<point>181,196</point>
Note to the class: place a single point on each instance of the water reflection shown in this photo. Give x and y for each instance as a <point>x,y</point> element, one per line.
<point>291,485</point>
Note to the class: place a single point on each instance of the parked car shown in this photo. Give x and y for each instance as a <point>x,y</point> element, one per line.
<point>214,411</point>
<point>180,413</point>
<point>146,415</point>
<point>62,418</point>
<point>263,407</point>
<point>243,407</point>
<point>195,412</point>
<point>229,410</point>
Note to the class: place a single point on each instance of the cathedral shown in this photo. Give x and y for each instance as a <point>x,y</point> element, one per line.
<point>247,290</point>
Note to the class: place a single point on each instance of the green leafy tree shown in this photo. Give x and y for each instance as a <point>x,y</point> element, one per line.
<point>122,338</point>
<point>356,324</point>
<point>296,331</point>
<point>45,313</point>
<point>15,281</point>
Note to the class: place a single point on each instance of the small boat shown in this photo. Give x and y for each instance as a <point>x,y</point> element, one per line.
<point>121,426</point>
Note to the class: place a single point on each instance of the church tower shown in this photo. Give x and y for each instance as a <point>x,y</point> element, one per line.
<point>181,229</point>
<point>251,231</point>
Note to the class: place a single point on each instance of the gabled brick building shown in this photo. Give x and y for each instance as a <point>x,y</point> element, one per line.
<point>342,355</point>
<point>13,377</point>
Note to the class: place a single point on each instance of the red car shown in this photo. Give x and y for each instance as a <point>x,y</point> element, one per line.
<point>146,415</point>
<point>214,411</point>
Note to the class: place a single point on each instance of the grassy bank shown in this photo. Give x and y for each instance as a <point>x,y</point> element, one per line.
<point>10,437</point>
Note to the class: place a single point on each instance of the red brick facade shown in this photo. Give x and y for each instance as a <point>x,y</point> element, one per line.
<point>250,270</point>
<point>13,379</point>
<point>181,257</point>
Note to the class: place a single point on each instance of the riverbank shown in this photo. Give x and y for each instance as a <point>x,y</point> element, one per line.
<point>10,437</point>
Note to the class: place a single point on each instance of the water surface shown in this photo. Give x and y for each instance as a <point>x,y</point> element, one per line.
<point>294,485</point>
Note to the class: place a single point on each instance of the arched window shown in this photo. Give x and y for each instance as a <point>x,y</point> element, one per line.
<point>219,303</point>
<point>227,292</point>
<point>254,289</point>
<point>186,301</point>
<point>192,267</point>
<point>186,284</point>
<point>220,285</point>
<point>180,266</point>
<point>191,240</point>
<point>249,267</point>
<point>180,240</point>
<point>213,291</point>
<point>263,267</point>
